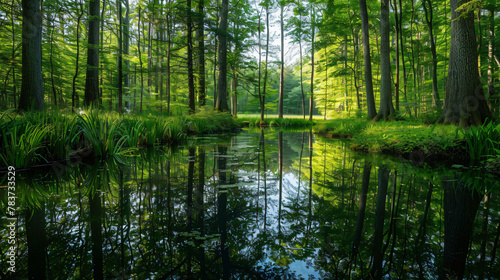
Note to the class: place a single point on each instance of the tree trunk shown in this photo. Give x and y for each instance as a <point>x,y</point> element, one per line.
<point>491,51</point>
<point>200,37</point>
<point>370,100</point>
<point>386,108</point>
<point>120,57</point>
<point>140,57</point>
<point>32,85</point>
<point>465,103</point>
<point>75,99</point>
<point>91,97</point>
<point>282,64</point>
<point>311,97</point>
<point>222,79</point>
<point>436,102</point>
<point>396,24</point>
<point>190,58</point>
<point>126,44</point>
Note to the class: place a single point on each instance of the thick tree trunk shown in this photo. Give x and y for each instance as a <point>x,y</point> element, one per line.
<point>386,107</point>
<point>222,79</point>
<point>91,97</point>
<point>465,103</point>
<point>32,85</point>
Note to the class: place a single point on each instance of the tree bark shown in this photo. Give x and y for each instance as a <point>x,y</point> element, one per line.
<point>191,96</point>
<point>222,79</point>
<point>465,103</point>
<point>386,108</point>
<point>436,102</point>
<point>140,58</point>
<point>311,97</point>
<point>91,97</point>
<point>282,64</point>
<point>32,85</point>
<point>200,37</point>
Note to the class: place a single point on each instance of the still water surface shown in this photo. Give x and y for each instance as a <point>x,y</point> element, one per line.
<point>256,205</point>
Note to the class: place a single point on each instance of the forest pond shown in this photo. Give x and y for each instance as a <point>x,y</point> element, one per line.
<point>254,205</point>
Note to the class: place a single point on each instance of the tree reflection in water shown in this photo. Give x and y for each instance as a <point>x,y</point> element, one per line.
<point>254,206</point>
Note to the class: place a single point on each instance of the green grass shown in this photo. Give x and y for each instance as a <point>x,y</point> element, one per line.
<point>435,141</point>
<point>33,138</point>
<point>288,121</point>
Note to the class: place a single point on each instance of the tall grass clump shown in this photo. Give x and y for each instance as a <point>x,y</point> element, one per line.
<point>483,142</point>
<point>102,134</point>
<point>207,120</point>
<point>22,144</point>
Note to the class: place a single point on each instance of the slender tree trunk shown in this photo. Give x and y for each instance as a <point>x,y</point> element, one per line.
<point>396,24</point>
<point>75,99</point>
<point>120,57</point>
<point>191,96</point>
<point>200,37</point>
<point>92,80</point>
<point>126,51</point>
<point>54,93</point>
<point>14,87</point>
<point>311,97</point>
<point>386,107</point>
<point>140,57</point>
<point>282,65</point>
<point>491,51</point>
<point>428,9</point>
<point>465,103</point>
<point>361,210</point>
<point>169,44</point>
<point>370,100</point>
<point>263,101</point>
<point>302,82</point>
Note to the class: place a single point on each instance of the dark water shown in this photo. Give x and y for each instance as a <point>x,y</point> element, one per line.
<point>284,205</point>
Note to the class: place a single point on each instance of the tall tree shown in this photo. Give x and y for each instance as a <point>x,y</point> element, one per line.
<point>32,86</point>
<point>465,103</point>
<point>200,38</point>
<point>190,58</point>
<point>282,62</point>
<point>221,103</point>
<point>92,80</point>
<point>313,29</point>
<point>386,108</point>
<point>429,15</point>
<point>370,100</point>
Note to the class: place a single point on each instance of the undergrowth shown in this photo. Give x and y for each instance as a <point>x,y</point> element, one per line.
<point>40,137</point>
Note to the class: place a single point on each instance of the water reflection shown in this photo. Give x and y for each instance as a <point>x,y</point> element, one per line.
<point>263,205</point>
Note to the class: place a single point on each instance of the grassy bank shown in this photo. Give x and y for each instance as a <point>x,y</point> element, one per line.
<point>37,138</point>
<point>288,121</point>
<point>419,142</point>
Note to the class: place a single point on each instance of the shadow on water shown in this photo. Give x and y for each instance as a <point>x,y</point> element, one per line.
<point>258,205</point>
